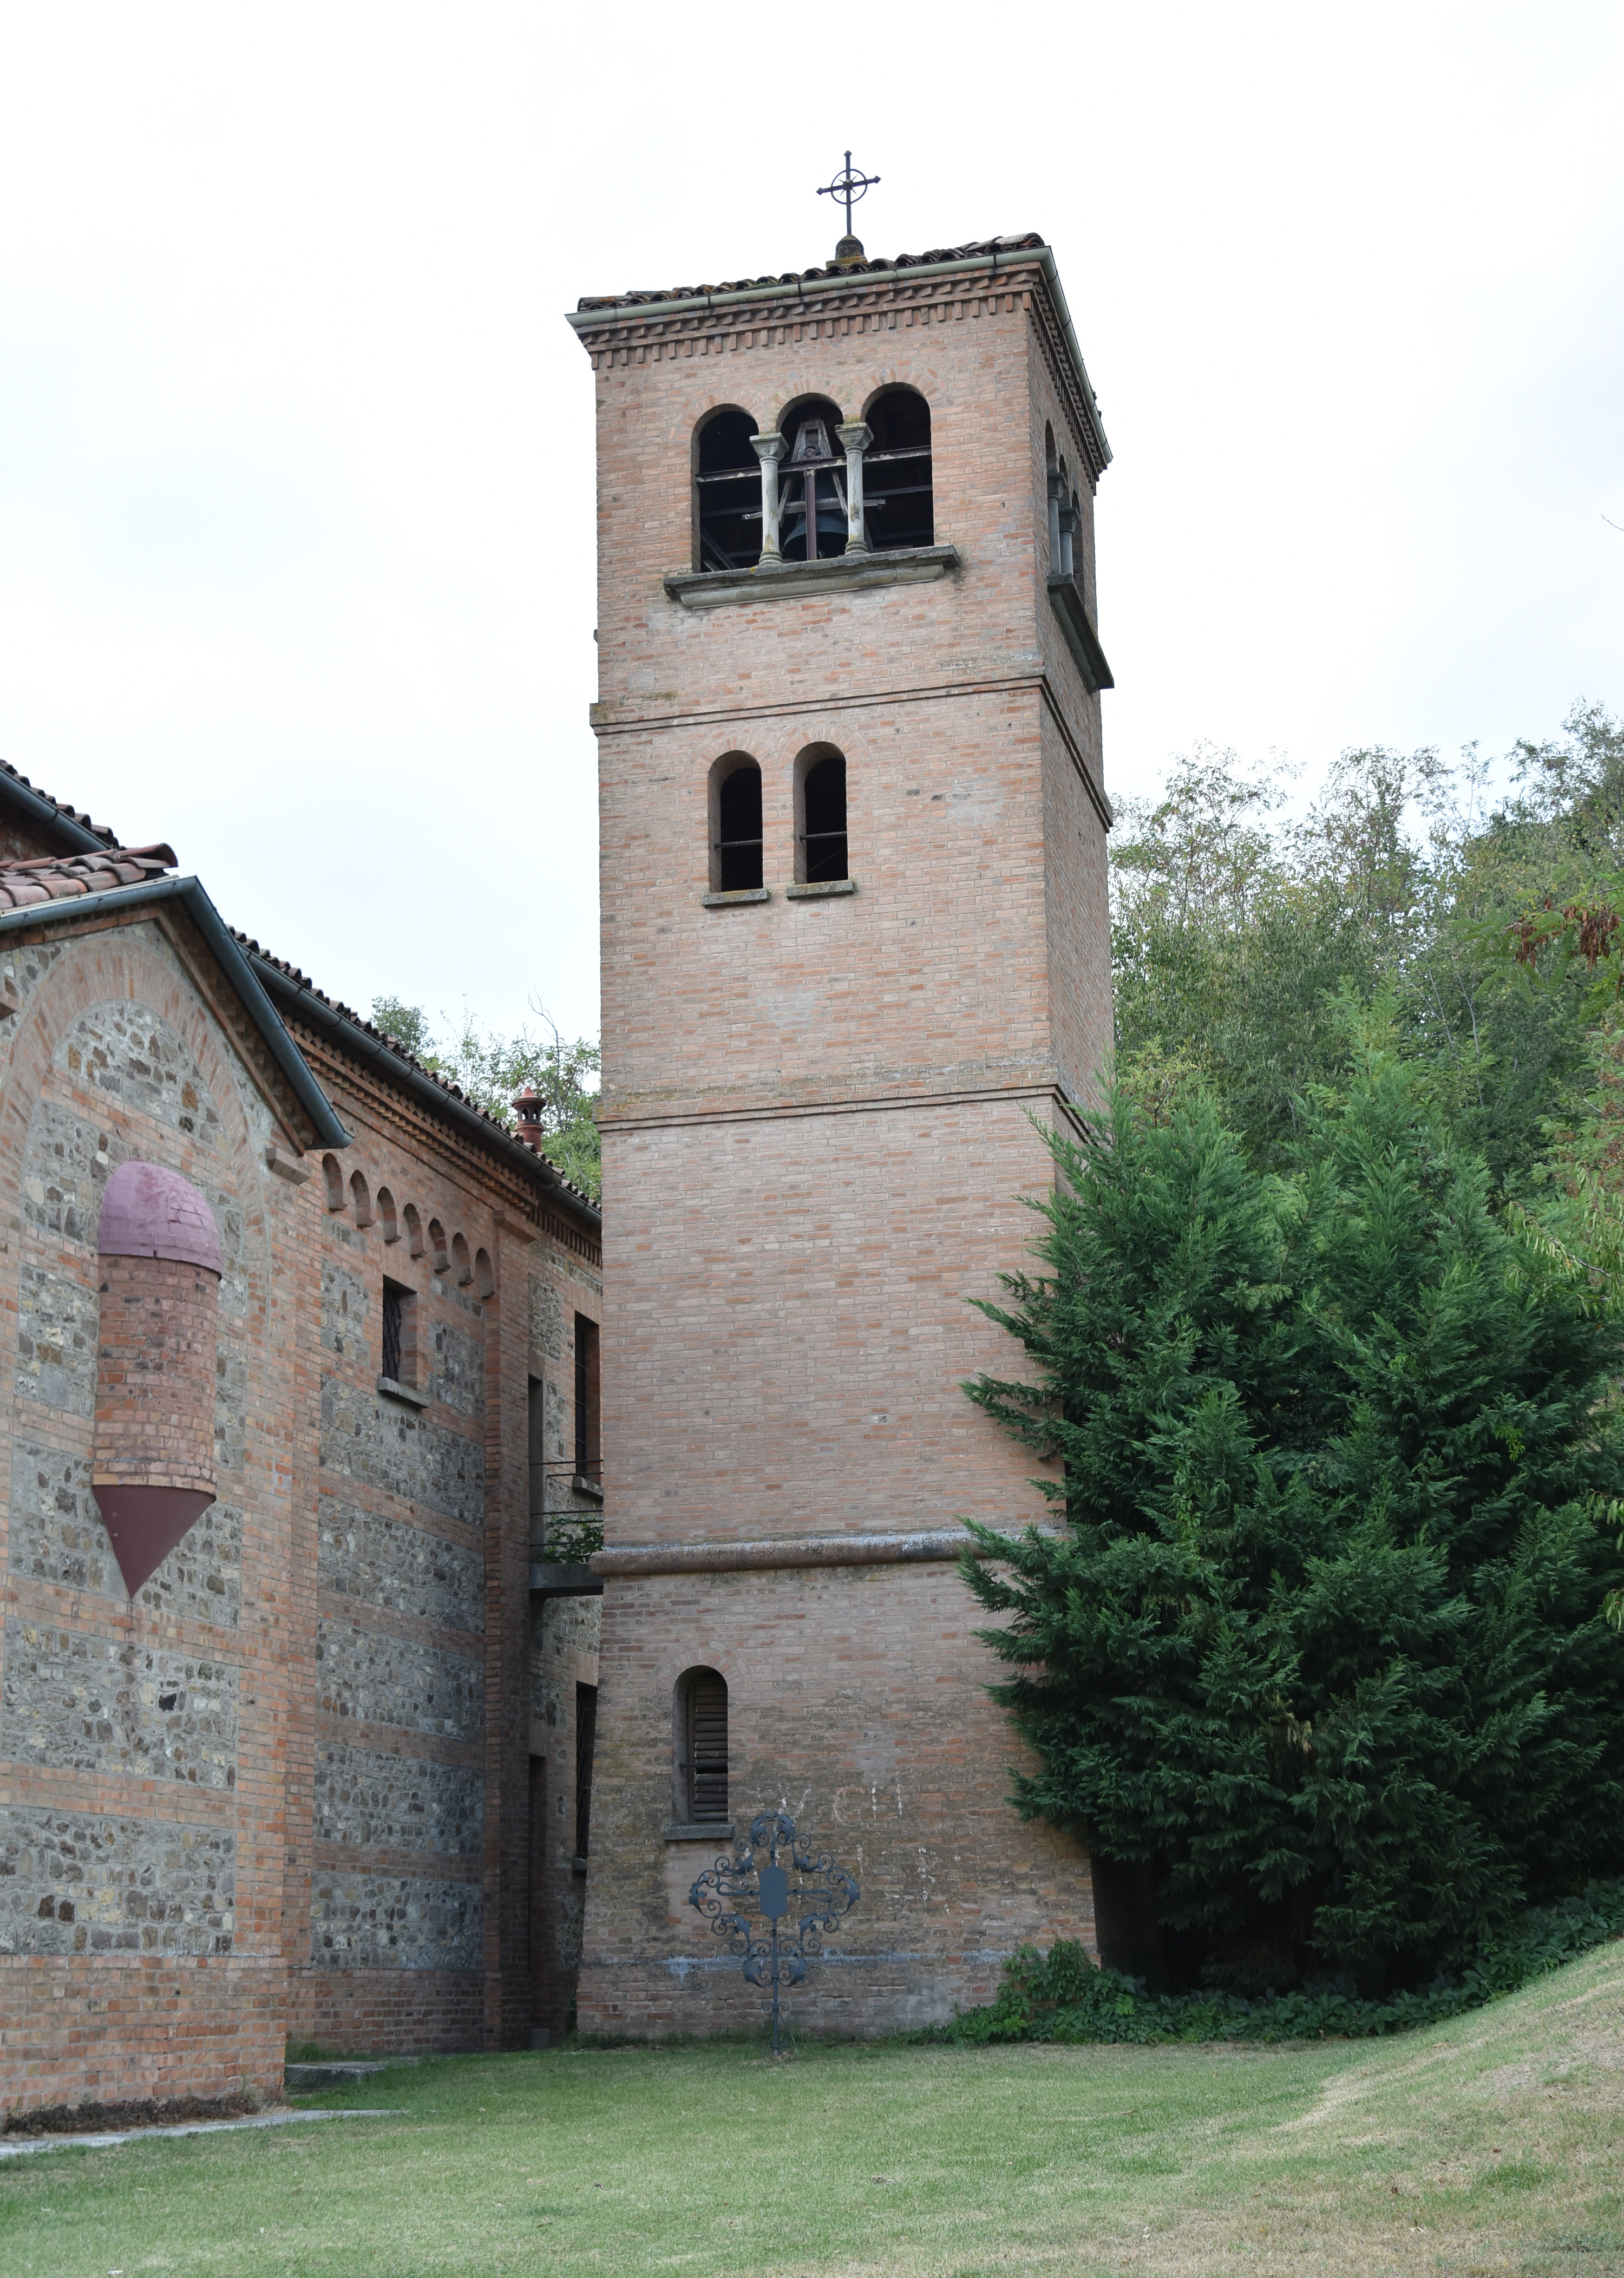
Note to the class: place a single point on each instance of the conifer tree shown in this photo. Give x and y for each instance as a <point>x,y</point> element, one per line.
<point>1320,1646</point>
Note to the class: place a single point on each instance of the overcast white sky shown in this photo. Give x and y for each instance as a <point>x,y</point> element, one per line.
<point>295,488</point>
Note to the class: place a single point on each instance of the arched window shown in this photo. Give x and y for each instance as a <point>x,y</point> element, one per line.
<point>726,492</point>
<point>484,1280</point>
<point>387,1215</point>
<point>896,472</point>
<point>736,824</point>
<point>465,1263</point>
<point>436,1244</point>
<point>1051,464</point>
<point>361,1199</point>
<point>820,815</point>
<point>813,481</point>
<point>414,1229</point>
<point>334,1177</point>
<point>702,1746</point>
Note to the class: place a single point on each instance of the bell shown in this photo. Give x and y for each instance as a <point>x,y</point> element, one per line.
<point>832,530</point>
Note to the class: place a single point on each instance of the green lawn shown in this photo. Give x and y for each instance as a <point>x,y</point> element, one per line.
<point>1495,2143</point>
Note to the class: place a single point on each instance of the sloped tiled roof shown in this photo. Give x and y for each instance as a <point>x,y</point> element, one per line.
<point>60,806</point>
<point>983,250</point>
<point>60,877</point>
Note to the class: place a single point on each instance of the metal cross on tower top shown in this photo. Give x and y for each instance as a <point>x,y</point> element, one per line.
<point>849,187</point>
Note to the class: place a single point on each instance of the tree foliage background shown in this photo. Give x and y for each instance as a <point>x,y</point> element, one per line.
<point>1327,1331</point>
<point>491,1071</point>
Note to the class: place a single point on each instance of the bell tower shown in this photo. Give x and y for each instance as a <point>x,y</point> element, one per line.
<point>855,943</point>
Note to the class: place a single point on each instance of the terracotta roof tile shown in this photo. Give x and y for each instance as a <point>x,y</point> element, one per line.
<point>61,877</point>
<point>983,248</point>
<point>73,813</point>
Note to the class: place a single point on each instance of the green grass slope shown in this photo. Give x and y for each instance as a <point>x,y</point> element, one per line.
<point>1493,2143</point>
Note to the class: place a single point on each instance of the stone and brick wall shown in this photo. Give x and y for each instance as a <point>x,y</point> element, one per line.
<point>282,1791</point>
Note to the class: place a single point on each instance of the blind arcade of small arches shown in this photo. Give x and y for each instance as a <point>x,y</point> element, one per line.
<point>423,1239</point>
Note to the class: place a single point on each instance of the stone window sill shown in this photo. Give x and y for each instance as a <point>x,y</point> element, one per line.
<point>1067,597</point>
<point>593,1487</point>
<point>791,581</point>
<point>822,886</point>
<point>744,894</point>
<point>719,1831</point>
<point>391,1390</point>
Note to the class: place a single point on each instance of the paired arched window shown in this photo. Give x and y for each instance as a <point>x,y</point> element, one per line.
<point>820,815</point>
<point>736,824</point>
<point>701,1747</point>
<point>737,834</point>
<point>726,492</point>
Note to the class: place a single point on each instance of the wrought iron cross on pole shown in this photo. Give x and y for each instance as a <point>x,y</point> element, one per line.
<point>750,1894</point>
<point>849,187</point>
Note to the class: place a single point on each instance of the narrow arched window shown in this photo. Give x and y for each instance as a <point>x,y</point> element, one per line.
<point>333,1176</point>
<point>726,492</point>
<point>821,820</point>
<point>900,500</point>
<point>387,1215</point>
<point>812,523</point>
<point>702,1746</point>
<point>361,1199</point>
<point>735,825</point>
<point>436,1244</point>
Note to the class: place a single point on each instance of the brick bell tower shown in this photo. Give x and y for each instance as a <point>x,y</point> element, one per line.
<point>855,939</point>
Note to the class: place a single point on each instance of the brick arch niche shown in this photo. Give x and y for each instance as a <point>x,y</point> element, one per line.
<point>158,1254</point>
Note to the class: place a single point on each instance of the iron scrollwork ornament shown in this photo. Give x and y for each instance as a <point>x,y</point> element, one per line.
<point>773,1901</point>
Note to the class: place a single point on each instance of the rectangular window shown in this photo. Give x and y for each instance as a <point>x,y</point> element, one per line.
<point>589,1442</point>
<point>398,1361</point>
<point>586,1735</point>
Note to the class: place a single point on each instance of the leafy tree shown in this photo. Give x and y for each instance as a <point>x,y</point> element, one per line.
<point>1320,1647</point>
<point>1234,933</point>
<point>491,1071</point>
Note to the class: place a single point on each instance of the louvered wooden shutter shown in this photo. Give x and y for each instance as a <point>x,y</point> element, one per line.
<point>707,1746</point>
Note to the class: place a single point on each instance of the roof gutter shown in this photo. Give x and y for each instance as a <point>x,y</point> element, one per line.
<point>50,817</point>
<point>586,320</point>
<point>298,1001</point>
<point>189,893</point>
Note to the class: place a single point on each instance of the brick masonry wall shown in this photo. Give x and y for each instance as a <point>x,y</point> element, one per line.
<point>817,1132</point>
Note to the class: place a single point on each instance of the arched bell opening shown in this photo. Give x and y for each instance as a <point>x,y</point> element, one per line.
<point>727,492</point>
<point>812,523</point>
<point>897,479</point>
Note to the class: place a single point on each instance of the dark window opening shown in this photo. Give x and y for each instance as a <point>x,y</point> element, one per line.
<point>811,485</point>
<point>589,1444</point>
<point>704,1746</point>
<point>538,1458</point>
<point>727,494</point>
<point>823,799</point>
<point>897,496</point>
<point>738,835</point>
<point>535,1911</point>
<point>586,1735</point>
<point>398,1358</point>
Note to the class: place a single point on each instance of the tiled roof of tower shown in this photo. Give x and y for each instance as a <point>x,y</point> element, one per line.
<point>60,806</point>
<point>391,1044</point>
<point>60,877</point>
<point>984,249</point>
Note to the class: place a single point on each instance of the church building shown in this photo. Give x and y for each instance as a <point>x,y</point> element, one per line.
<point>855,958</point>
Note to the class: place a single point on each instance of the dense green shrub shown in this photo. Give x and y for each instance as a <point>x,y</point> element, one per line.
<point>1061,1996</point>
<point>1320,1648</point>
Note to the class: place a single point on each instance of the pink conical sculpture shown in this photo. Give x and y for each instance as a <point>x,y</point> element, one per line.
<point>153,1468</point>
